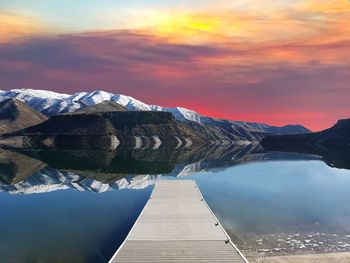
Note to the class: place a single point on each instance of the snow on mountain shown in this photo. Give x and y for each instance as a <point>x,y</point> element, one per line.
<point>132,104</point>
<point>30,93</point>
<point>40,100</point>
<point>52,103</point>
<point>183,114</point>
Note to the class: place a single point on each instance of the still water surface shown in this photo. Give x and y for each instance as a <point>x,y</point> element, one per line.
<point>269,204</point>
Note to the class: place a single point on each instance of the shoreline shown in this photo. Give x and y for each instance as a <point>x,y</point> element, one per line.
<point>340,257</point>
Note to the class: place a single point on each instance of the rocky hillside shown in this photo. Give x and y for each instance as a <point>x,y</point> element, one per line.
<point>106,130</point>
<point>104,106</point>
<point>16,115</point>
<point>51,103</point>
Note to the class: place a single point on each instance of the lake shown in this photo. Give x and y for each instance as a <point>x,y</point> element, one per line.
<point>78,206</point>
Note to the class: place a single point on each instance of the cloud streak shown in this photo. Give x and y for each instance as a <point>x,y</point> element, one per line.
<point>287,64</point>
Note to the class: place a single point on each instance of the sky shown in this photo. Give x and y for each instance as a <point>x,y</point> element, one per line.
<point>278,62</point>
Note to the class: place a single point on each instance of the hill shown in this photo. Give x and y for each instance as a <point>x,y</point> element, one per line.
<point>51,103</point>
<point>336,137</point>
<point>16,115</point>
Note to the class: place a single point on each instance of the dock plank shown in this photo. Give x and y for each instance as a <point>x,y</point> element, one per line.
<point>176,225</point>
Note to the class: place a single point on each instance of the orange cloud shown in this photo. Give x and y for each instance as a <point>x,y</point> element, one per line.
<point>325,6</point>
<point>310,21</point>
<point>235,61</point>
<point>302,32</point>
<point>14,26</point>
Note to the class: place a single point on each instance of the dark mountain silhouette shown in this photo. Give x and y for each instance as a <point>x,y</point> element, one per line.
<point>332,144</point>
<point>15,167</point>
<point>106,130</point>
<point>109,166</point>
<point>337,136</point>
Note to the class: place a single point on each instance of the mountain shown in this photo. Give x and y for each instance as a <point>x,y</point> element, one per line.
<point>16,115</point>
<point>332,144</point>
<point>51,103</point>
<point>106,130</point>
<point>104,106</point>
<point>252,131</point>
<point>336,137</point>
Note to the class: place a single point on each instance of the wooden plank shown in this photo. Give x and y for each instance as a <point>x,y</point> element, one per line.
<point>176,251</point>
<point>176,225</point>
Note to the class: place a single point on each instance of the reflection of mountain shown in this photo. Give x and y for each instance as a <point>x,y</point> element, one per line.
<point>339,158</point>
<point>110,166</point>
<point>15,167</point>
<point>332,144</point>
<point>48,180</point>
<point>100,171</point>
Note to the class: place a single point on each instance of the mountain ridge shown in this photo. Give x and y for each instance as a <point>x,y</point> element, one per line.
<point>52,103</point>
<point>16,115</point>
<point>108,130</point>
<point>335,137</point>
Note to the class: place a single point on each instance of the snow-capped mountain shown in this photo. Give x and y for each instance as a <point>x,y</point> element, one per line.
<point>40,100</point>
<point>52,103</point>
<point>16,115</point>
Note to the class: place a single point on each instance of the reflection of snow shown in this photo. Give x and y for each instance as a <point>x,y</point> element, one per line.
<point>53,103</point>
<point>137,182</point>
<point>189,169</point>
<point>49,180</point>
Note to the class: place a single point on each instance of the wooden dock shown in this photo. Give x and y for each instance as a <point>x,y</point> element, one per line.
<point>176,225</point>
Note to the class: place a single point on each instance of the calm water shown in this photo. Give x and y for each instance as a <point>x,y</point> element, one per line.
<point>270,203</point>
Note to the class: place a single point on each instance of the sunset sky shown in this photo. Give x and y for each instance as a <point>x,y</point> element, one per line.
<point>278,62</point>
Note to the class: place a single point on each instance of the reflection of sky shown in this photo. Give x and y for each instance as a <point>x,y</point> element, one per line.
<point>272,197</point>
<point>67,226</point>
<point>250,199</point>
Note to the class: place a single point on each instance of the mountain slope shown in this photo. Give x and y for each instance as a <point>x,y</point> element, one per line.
<point>337,137</point>
<point>16,115</point>
<point>104,106</point>
<point>106,130</point>
<point>51,103</point>
<point>252,131</point>
<point>332,144</point>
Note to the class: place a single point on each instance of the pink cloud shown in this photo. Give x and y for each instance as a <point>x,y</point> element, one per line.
<point>276,84</point>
